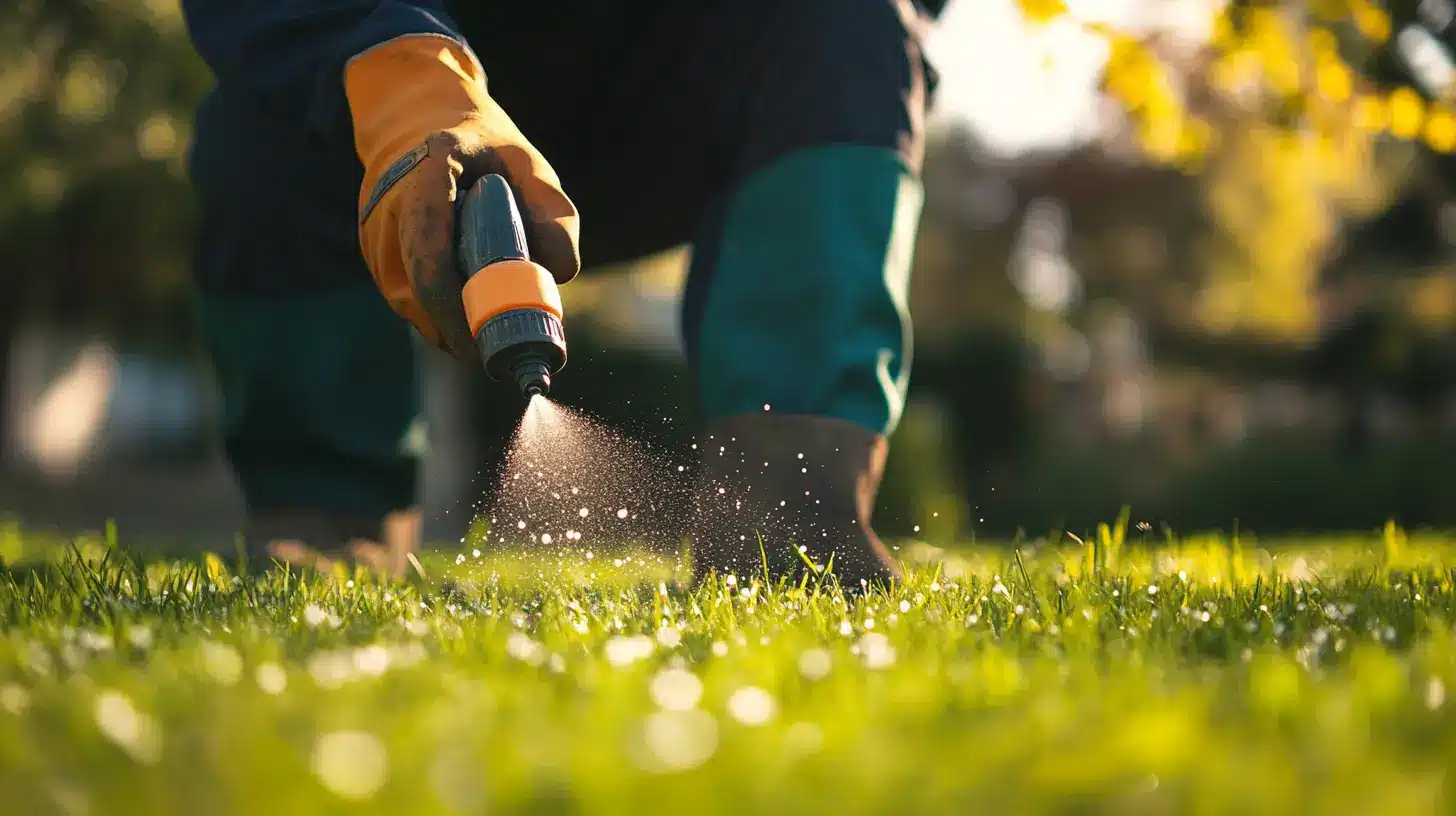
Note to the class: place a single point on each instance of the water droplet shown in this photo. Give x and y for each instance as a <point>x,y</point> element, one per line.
<point>815,664</point>
<point>752,705</point>
<point>679,740</point>
<point>131,730</point>
<point>676,690</point>
<point>352,764</point>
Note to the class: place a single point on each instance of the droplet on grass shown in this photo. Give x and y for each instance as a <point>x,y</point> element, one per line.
<point>520,646</point>
<point>352,764</point>
<point>1435,693</point>
<point>131,730</point>
<point>876,651</point>
<point>679,740</point>
<point>371,660</point>
<point>622,651</point>
<point>222,663</point>
<point>313,615</point>
<point>271,678</point>
<point>752,705</point>
<point>676,690</point>
<point>139,636</point>
<point>331,669</point>
<point>14,699</point>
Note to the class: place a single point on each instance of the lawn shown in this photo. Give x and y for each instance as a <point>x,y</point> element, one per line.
<point>1135,673</point>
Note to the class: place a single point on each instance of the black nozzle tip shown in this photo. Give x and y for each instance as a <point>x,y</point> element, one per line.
<point>533,376</point>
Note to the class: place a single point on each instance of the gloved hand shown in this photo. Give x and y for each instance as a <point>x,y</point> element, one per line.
<point>425,129</point>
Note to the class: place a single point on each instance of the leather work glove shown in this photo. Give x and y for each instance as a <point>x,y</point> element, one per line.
<point>425,130</point>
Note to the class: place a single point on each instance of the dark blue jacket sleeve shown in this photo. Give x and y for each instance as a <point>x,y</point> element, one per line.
<point>290,54</point>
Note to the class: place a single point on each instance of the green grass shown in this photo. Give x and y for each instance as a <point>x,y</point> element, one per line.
<point>1157,676</point>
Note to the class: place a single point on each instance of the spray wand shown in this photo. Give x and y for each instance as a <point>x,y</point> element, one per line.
<point>511,302</point>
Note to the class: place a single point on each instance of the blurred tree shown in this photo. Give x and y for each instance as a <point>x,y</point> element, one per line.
<point>96,98</point>
<point>1296,115</point>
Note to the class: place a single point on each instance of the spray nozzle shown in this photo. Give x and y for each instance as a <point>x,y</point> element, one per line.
<point>532,374</point>
<point>511,303</point>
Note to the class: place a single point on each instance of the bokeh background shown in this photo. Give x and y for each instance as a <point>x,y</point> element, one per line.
<point>1193,257</point>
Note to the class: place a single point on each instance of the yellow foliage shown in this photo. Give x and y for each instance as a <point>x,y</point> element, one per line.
<point>1369,113</point>
<point>1042,11</point>
<point>1234,71</point>
<point>1407,111</point>
<point>1133,74</point>
<point>1330,10</point>
<point>1322,43</point>
<point>1333,80</point>
<point>1372,20</point>
<point>1440,131</point>
<point>1269,38</point>
<point>1291,153</point>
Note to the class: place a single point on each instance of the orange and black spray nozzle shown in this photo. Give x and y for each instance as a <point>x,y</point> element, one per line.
<point>511,302</point>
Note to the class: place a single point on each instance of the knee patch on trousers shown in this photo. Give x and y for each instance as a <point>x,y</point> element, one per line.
<point>320,396</point>
<point>806,309</point>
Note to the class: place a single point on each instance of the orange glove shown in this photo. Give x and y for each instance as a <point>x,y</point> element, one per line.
<point>425,129</point>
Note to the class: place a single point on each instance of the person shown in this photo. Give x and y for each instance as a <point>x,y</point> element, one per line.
<point>781,139</point>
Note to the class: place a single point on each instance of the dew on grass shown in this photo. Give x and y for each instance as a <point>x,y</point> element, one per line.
<point>1435,693</point>
<point>352,764</point>
<point>331,669</point>
<point>523,648</point>
<point>139,635</point>
<point>314,615</point>
<point>679,740</point>
<point>371,660</point>
<point>876,651</point>
<point>815,664</point>
<point>752,705</point>
<point>14,699</point>
<point>133,731</point>
<point>623,651</point>
<point>271,678</point>
<point>222,663</point>
<point>676,690</point>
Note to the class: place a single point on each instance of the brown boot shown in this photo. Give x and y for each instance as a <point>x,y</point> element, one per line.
<point>796,481</point>
<point>319,540</point>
